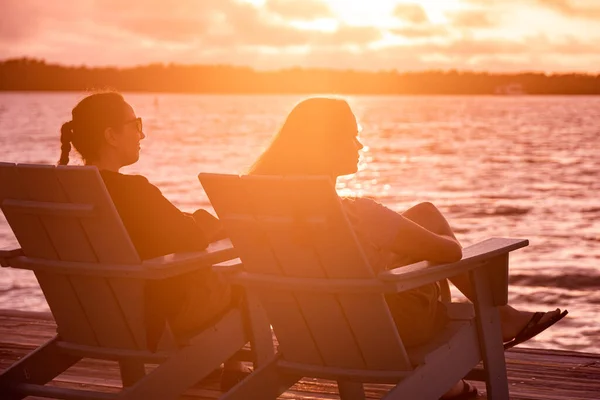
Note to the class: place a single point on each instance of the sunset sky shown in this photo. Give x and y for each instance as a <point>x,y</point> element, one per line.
<point>490,35</point>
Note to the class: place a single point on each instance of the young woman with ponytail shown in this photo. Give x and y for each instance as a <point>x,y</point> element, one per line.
<point>106,132</point>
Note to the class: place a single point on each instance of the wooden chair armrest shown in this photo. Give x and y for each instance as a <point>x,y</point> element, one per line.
<point>175,264</point>
<point>178,263</point>
<point>477,255</point>
<point>6,255</point>
<point>156,268</point>
<point>229,267</point>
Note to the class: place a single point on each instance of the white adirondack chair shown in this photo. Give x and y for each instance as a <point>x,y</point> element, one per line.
<point>326,306</point>
<point>72,238</point>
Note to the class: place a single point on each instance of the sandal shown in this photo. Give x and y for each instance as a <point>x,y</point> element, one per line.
<point>534,327</point>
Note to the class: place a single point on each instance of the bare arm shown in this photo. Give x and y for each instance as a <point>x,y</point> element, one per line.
<point>420,233</point>
<point>418,243</point>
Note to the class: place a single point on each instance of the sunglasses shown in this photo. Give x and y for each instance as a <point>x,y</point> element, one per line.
<point>138,123</point>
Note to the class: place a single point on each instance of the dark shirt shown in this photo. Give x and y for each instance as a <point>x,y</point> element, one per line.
<point>156,227</point>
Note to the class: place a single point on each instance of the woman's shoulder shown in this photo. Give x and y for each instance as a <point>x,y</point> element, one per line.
<point>369,209</point>
<point>117,180</point>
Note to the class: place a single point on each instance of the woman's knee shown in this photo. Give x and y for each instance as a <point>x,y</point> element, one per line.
<point>422,211</point>
<point>428,216</point>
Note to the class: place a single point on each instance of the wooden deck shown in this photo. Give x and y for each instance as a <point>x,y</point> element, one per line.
<point>533,374</point>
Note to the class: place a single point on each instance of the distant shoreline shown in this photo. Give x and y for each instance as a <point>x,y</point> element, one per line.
<point>150,92</point>
<point>25,75</point>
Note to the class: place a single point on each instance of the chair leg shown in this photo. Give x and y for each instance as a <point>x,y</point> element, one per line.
<point>259,331</point>
<point>185,367</point>
<point>490,333</point>
<point>264,383</point>
<point>351,390</point>
<point>39,367</point>
<point>131,372</point>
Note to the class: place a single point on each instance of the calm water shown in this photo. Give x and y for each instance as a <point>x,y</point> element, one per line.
<point>524,167</point>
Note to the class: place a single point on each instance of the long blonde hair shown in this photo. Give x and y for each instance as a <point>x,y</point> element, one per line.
<point>308,138</point>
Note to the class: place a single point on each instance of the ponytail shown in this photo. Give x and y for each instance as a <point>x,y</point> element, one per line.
<point>89,120</point>
<point>66,133</point>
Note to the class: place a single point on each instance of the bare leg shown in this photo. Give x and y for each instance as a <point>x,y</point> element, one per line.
<point>429,217</point>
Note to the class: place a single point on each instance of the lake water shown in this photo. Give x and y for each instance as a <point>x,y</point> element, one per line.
<point>526,167</point>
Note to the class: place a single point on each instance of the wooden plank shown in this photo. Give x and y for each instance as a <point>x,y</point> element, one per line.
<point>534,374</point>
<point>351,390</point>
<point>28,229</point>
<point>104,312</point>
<point>454,357</point>
<point>66,234</point>
<point>227,195</point>
<point>73,243</point>
<point>417,274</point>
<point>156,268</point>
<point>72,320</point>
<point>330,250</point>
<point>293,248</point>
<point>38,367</point>
<point>489,328</point>
<point>259,329</point>
<point>191,363</point>
<point>70,243</point>
<point>105,230</point>
<point>282,308</point>
<point>48,209</point>
<point>60,393</point>
<point>322,312</point>
<point>130,296</point>
<point>341,256</point>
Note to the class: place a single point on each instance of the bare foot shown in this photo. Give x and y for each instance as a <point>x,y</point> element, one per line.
<point>513,321</point>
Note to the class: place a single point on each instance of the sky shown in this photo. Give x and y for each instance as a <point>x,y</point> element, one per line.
<point>552,36</point>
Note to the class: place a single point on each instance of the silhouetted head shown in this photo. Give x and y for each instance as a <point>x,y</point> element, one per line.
<point>319,137</point>
<point>104,130</point>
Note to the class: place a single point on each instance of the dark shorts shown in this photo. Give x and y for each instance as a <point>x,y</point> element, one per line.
<point>419,314</point>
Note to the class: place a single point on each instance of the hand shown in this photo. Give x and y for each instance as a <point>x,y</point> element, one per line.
<point>210,225</point>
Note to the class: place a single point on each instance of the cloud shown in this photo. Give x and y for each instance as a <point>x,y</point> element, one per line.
<point>14,12</point>
<point>471,19</point>
<point>303,10</point>
<point>182,20</point>
<point>411,12</point>
<point>421,31</point>
<point>582,9</point>
<point>577,9</point>
<point>26,19</point>
<point>132,32</point>
<point>228,23</point>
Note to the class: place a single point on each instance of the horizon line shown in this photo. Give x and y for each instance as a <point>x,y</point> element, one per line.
<point>292,68</point>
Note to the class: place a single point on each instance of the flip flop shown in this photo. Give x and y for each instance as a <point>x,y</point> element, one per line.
<point>469,392</point>
<point>534,327</point>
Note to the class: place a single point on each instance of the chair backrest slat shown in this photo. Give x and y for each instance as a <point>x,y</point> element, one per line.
<point>66,214</point>
<point>294,336</point>
<point>66,233</point>
<point>35,240</point>
<point>84,185</point>
<point>293,247</point>
<point>28,229</point>
<point>307,232</point>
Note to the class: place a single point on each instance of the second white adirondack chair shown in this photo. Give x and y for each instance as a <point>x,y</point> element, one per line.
<point>327,308</point>
<point>72,238</point>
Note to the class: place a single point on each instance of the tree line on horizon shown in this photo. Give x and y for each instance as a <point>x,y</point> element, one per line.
<point>27,74</point>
